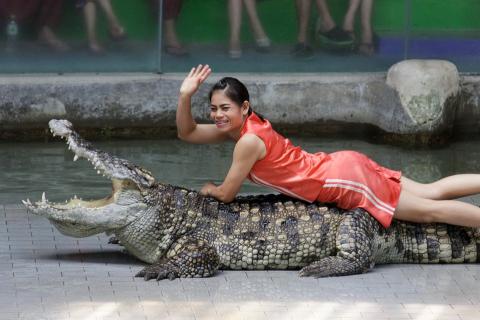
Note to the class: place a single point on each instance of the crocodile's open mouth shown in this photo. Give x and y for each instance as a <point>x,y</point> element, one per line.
<point>127,179</point>
<point>118,186</point>
<point>80,218</point>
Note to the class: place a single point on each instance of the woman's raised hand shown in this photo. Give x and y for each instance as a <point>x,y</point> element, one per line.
<point>194,79</point>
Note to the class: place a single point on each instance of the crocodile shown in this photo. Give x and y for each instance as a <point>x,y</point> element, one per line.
<point>181,233</point>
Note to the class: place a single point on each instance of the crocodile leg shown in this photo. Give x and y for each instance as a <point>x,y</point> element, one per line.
<point>354,252</point>
<point>187,259</point>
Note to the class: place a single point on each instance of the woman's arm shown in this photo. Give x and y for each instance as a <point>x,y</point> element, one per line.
<point>187,129</point>
<point>248,150</point>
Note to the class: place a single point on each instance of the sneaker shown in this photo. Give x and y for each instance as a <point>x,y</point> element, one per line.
<point>336,35</point>
<point>302,50</point>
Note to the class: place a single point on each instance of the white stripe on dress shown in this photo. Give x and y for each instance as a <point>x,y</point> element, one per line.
<point>362,186</point>
<point>279,189</point>
<point>378,206</point>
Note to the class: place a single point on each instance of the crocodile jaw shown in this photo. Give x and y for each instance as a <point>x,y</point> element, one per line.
<point>79,218</point>
<point>105,164</point>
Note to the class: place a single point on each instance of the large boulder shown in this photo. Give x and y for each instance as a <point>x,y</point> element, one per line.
<point>427,90</point>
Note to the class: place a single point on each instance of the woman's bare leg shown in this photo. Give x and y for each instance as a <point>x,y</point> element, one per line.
<point>349,20</point>
<point>303,16</point>
<point>90,16</point>
<point>235,16</point>
<point>255,23</point>
<point>115,27</point>
<point>327,22</point>
<point>366,21</point>
<point>451,187</point>
<point>171,38</point>
<point>416,209</point>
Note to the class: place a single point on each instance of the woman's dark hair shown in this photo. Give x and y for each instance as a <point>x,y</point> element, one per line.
<point>235,90</point>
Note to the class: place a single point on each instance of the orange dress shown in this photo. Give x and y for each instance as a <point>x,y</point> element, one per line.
<point>347,178</point>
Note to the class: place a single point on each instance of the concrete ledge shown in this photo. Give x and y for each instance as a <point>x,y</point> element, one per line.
<point>143,105</point>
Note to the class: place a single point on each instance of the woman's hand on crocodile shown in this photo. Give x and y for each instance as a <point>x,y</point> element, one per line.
<point>207,189</point>
<point>194,79</point>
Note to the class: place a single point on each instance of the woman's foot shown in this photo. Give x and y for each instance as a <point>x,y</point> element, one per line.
<point>96,48</point>
<point>235,50</point>
<point>366,49</point>
<point>176,50</point>
<point>263,44</point>
<point>47,37</point>
<point>369,45</point>
<point>117,33</point>
<point>235,54</point>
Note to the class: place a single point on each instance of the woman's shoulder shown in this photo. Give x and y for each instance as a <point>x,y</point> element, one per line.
<point>252,145</point>
<point>249,140</point>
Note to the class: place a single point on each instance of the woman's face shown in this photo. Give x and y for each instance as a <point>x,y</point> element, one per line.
<point>227,114</point>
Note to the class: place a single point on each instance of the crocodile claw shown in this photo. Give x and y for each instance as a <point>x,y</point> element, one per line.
<point>114,240</point>
<point>158,272</point>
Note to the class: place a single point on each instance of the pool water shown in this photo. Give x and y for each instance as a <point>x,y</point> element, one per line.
<point>28,169</point>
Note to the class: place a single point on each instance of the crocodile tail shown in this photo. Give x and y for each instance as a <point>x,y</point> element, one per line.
<point>428,243</point>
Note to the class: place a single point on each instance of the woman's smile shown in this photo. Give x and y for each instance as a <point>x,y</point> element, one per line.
<point>222,123</point>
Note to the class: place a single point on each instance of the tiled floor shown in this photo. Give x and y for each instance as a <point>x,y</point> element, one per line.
<point>45,275</point>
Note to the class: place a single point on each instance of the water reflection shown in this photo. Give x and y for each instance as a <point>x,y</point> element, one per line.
<point>28,169</point>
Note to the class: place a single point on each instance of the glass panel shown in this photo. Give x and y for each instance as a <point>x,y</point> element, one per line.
<point>52,36</point>
<point>447,29</point>
<point>204,29</point>
<point>35,34</point>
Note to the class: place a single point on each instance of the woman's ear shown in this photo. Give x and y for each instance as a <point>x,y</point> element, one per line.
<point>245,107</point>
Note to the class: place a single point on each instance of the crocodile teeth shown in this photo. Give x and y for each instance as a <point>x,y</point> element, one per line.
<point>25,202</point>
<point>75,158</point>
<point>98,172</point>
<point>44,199</point>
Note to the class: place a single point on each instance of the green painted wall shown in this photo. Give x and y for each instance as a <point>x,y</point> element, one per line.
<point>207,20</point>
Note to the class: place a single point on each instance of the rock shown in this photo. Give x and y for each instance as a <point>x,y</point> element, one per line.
<point>427,90</point>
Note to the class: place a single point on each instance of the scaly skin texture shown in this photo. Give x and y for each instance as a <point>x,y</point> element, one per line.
<point>184,234</point>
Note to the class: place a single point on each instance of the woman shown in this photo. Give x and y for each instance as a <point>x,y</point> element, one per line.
<point>347,178</point>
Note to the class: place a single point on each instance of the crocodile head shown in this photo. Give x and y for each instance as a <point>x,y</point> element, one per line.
<point>80,218</point>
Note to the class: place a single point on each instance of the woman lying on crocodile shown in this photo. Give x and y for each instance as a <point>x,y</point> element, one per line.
<point>347,178</point>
